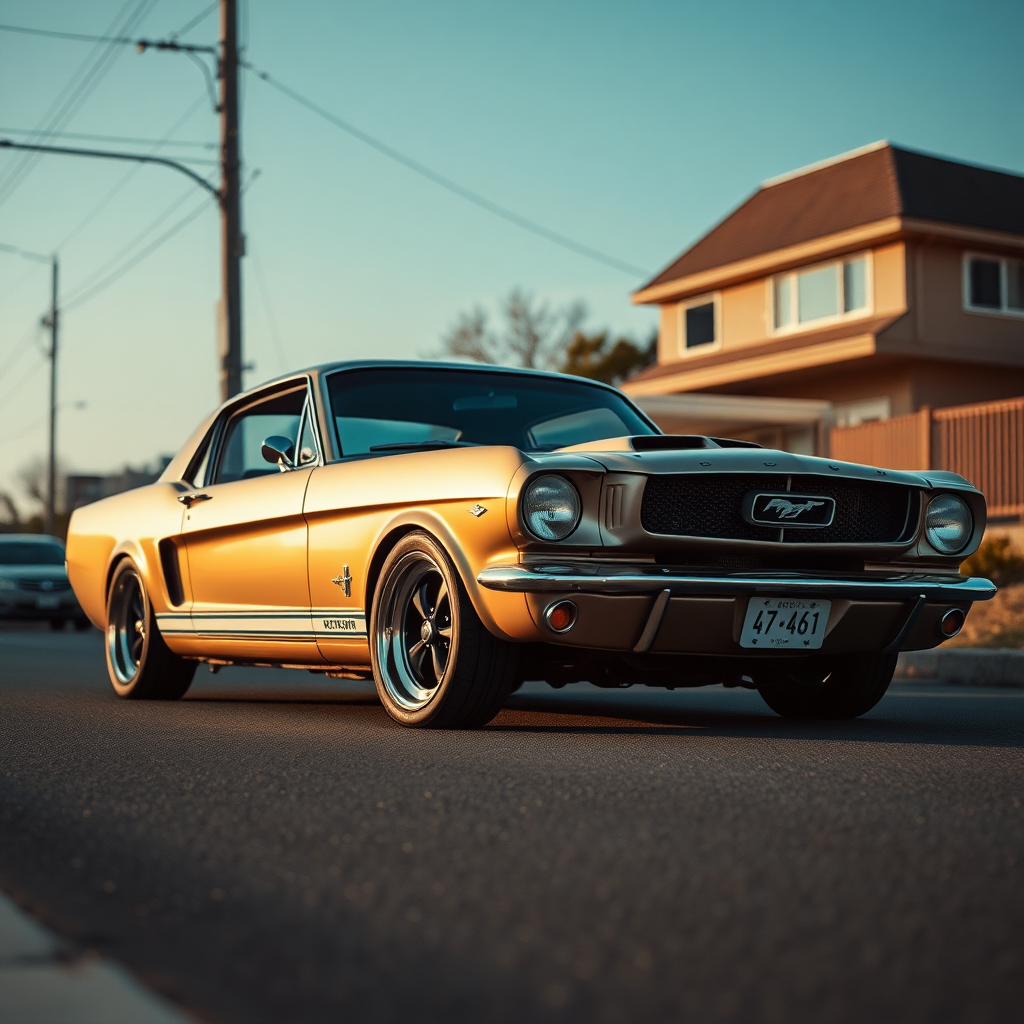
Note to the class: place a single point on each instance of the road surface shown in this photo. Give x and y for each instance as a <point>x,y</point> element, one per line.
<point>274,849</point>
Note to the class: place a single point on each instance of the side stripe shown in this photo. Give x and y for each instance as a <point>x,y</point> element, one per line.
<point>279,624</point>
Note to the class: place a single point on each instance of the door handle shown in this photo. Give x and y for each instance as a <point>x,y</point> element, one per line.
<point>188,499</point>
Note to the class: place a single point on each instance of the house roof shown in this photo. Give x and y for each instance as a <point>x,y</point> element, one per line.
<point>867,185</point>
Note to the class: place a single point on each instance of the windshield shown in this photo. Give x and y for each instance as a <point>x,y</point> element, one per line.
<point>376,409</point>
<point>27,552</point>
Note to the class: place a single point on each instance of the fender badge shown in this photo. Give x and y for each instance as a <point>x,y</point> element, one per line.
<point>477,510</point>
<point>344,581</point>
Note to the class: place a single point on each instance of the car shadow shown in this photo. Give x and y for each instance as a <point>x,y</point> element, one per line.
<point>959,722</point>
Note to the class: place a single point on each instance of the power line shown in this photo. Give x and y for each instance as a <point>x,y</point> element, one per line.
<point>268,310</point>
<point>78,90</point>
<point>104,202</point>
<point>201,16</point>
<point>84,285</point>
<point>78,37</point>
<point>32,370</point>
<point>87,137</point>
<point>20,349</point>
<point>447,183</point>
<point>135,260</point>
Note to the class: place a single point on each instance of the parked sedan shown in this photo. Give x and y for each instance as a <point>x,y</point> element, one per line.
<point>451,530</point>
<point>34,583</point>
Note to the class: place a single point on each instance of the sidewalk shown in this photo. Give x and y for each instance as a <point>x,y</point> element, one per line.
<point>43,981</point>
<point>963,666</point>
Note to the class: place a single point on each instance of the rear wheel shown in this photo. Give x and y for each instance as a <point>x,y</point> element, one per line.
<point>434,662</point>
<point>140,664</point>
<point>852,688</point>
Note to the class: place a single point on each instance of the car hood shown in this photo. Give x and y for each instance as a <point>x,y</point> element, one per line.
<point>616,456</point>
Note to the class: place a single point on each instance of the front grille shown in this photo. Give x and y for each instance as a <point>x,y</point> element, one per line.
<point>44,586</point>
<point>690,505</point>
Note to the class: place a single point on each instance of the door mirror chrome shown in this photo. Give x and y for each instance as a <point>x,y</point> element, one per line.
<point>279,451</point>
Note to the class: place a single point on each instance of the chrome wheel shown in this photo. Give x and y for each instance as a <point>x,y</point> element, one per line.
<point>413,632</point>
<point>126,627</point>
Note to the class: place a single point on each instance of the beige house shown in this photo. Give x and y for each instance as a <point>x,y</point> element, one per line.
<point>865,287</point>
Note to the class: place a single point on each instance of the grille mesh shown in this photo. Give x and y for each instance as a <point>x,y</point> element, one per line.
<point>44,586</point>
<point>691,505</point>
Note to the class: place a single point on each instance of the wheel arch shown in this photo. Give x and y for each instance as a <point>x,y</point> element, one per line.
<point>434,525</point>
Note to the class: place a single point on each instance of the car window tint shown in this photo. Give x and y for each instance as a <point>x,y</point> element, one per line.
<point>405,405</point>
<point>13,552</point>
<point>242,457</point>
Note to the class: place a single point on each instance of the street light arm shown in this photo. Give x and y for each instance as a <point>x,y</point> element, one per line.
<point>140,158</point>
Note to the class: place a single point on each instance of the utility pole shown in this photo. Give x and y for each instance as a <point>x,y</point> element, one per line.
<point>232,240</point>
<point>49,518</point>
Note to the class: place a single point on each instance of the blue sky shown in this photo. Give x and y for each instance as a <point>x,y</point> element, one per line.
<point>631,127</point>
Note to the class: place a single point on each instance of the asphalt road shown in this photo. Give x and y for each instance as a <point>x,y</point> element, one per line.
<point>274,849</point>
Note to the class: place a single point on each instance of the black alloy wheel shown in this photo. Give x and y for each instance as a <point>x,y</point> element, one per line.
<point>140,664</point>
<point>434,662</point>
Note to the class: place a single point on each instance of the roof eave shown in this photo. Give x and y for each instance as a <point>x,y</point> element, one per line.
<point>777,260</point>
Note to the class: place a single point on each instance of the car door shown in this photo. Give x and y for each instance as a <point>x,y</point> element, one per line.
<point>245,536</point>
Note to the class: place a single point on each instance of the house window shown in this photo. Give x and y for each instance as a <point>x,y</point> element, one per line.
<point>831,291</point>
<point>994,285</point>
<point>699,328</point>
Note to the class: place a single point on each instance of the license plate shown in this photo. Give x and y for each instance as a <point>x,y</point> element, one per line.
<point>48,601</point>
<point>785,622</point>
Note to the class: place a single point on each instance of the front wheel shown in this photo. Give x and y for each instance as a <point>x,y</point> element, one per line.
<point>434,662</point>
<point>140,664</point>
<point>852,688</point>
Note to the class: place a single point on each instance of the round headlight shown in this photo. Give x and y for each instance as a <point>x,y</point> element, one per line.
<point>948,524</point>
<point>551,507</point>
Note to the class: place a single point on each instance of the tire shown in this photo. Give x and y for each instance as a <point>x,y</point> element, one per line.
<point>57,625</point>
<point>140,664</point>
<point>853,687</point>
<point>434,662</point>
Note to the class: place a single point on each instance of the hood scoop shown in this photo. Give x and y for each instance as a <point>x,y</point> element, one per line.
<point>658,443</point>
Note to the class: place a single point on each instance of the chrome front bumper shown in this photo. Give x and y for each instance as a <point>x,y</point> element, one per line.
<point>606,579</point>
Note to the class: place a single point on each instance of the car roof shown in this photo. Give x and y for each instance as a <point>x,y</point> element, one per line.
<point>322,369</point>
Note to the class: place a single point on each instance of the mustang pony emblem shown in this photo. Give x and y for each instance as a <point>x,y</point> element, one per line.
<point>790,509</point>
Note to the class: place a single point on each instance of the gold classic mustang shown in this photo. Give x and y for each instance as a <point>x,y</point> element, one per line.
<point>453,530</point>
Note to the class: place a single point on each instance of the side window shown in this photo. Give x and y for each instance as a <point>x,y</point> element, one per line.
<point>241,456</point>
<point>307,452</point>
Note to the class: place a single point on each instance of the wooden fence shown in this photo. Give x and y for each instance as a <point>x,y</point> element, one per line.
<point>982,442</point>
<point>904,442</point>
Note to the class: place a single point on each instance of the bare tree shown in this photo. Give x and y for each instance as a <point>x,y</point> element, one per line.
<point>32,477</point>
<point>9,518</point>
<point>531,335</point>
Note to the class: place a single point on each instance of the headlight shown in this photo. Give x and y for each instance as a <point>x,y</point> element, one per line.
<point>7,585</point>
<point>551,507</point>
<point>948,524</point>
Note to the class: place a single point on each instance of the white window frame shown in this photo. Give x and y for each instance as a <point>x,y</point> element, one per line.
<point>715,298</point>
<point>1004,311</point>
<point>826,321</point>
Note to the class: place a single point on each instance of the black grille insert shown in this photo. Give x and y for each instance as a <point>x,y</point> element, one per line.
<point>698,505</point>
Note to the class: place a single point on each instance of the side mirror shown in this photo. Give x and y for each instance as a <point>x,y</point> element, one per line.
<point>279,451</point>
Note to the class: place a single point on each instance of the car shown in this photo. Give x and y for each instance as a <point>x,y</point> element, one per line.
<point>452,530</point>
<point>34,583</point>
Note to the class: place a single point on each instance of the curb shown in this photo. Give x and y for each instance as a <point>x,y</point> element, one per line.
<point>43,981</point>
<point>965,666</point>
